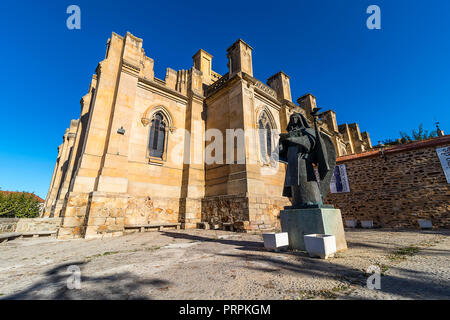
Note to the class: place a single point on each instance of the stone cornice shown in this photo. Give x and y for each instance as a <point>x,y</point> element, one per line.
<point>195,96</point>
<point>129,34</point>
<point>289,104</point>
<point>117,35</point>
<point>161,89</point>
<point>261,88</point>
<point>202,51</point>
<point>216,86</point>
<point>434,142</point>
<point>266,99</point>
<point>130,68</point>
<point>237,42</point>
<point>276,74</point>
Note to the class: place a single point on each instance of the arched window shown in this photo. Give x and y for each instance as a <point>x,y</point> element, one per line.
<point>269,139</point>
<point>157,141</point>
<point>265,137</point>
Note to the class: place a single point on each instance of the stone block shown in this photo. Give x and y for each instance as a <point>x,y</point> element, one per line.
<point>188,226</point>
<point>203,225</point>
<point>276,241</point>
<point>425,224</point>
<point>367,224</point>
<point>300,222</point>
<point>351,223</point>
<point>320,245</point>
<point>97,221</point>
<point>72,221</point>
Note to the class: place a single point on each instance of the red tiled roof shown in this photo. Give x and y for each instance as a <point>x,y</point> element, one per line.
<point>27,193</point>
<point>398,148</point>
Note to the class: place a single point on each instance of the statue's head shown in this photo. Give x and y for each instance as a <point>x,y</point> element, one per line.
<point>297,121</point>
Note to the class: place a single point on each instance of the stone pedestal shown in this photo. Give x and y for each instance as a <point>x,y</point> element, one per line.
<point>300,222</point>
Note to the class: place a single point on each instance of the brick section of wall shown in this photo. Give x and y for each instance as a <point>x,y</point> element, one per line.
<point>409,185</point>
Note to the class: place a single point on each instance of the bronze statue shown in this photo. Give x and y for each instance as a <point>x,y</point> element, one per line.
<point>304,149</point>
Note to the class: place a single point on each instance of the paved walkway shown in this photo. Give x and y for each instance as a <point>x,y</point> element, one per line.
<point>202,264</point>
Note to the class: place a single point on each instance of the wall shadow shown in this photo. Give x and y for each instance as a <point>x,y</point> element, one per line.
<point>120,286</point>
<point>410,284</point>
<point>242,244</point>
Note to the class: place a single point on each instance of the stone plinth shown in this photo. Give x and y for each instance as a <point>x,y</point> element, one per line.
<point>300,222</point>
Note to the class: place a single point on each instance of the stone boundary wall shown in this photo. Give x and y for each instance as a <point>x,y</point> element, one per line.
<point>8,224</point>
<point>38,224</point>
<point>397,189</point>
<point>104,215</point>
<point>29,225</point>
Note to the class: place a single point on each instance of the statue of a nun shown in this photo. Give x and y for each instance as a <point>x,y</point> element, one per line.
<point>305,149</point>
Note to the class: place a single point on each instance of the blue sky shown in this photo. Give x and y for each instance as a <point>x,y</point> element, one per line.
<point>386,80</point>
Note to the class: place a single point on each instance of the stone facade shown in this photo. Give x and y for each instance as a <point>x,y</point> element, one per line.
<point>111,171</point>
<point>396,190</point>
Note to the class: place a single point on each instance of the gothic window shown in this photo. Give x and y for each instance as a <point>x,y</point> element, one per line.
<point>158,133</point>
<point>265,137</point>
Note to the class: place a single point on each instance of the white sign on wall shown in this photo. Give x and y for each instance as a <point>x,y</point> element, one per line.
<point>339,181</point>
<point>444,157</point>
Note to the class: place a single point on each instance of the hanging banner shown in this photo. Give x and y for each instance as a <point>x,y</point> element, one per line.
<point>444,157</point>
<point>339,181</point>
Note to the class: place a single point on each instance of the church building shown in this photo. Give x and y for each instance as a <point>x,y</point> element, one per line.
<point>136,155</point>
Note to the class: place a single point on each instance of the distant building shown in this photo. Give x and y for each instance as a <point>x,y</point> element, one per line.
<point>118,164</point>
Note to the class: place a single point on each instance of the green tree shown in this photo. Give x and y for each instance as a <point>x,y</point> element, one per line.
<point>390,142</point>
<point>18,205</point>
<point>417,135</point>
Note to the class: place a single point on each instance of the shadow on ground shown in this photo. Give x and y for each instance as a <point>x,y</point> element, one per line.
<point>121,286</point>
<point>401,282</point>
<point>406,284</point>
<point>241,244</point>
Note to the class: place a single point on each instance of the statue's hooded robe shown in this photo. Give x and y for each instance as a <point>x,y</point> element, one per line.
<point>303,150</point>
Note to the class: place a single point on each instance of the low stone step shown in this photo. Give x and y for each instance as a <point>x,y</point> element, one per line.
<point>4,237</point>
<point>39,233</point>
<point>160,226</point>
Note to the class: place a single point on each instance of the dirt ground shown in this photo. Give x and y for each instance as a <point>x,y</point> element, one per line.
<point>200,264</point>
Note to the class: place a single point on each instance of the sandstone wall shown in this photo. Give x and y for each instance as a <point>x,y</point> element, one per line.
<point>8,224</point>
<point>38,224</point>
<point>265,213</point>
<point>29,225</point>
<point>409,185</point>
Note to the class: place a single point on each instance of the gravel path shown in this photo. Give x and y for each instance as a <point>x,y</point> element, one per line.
<point>208,264</point>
